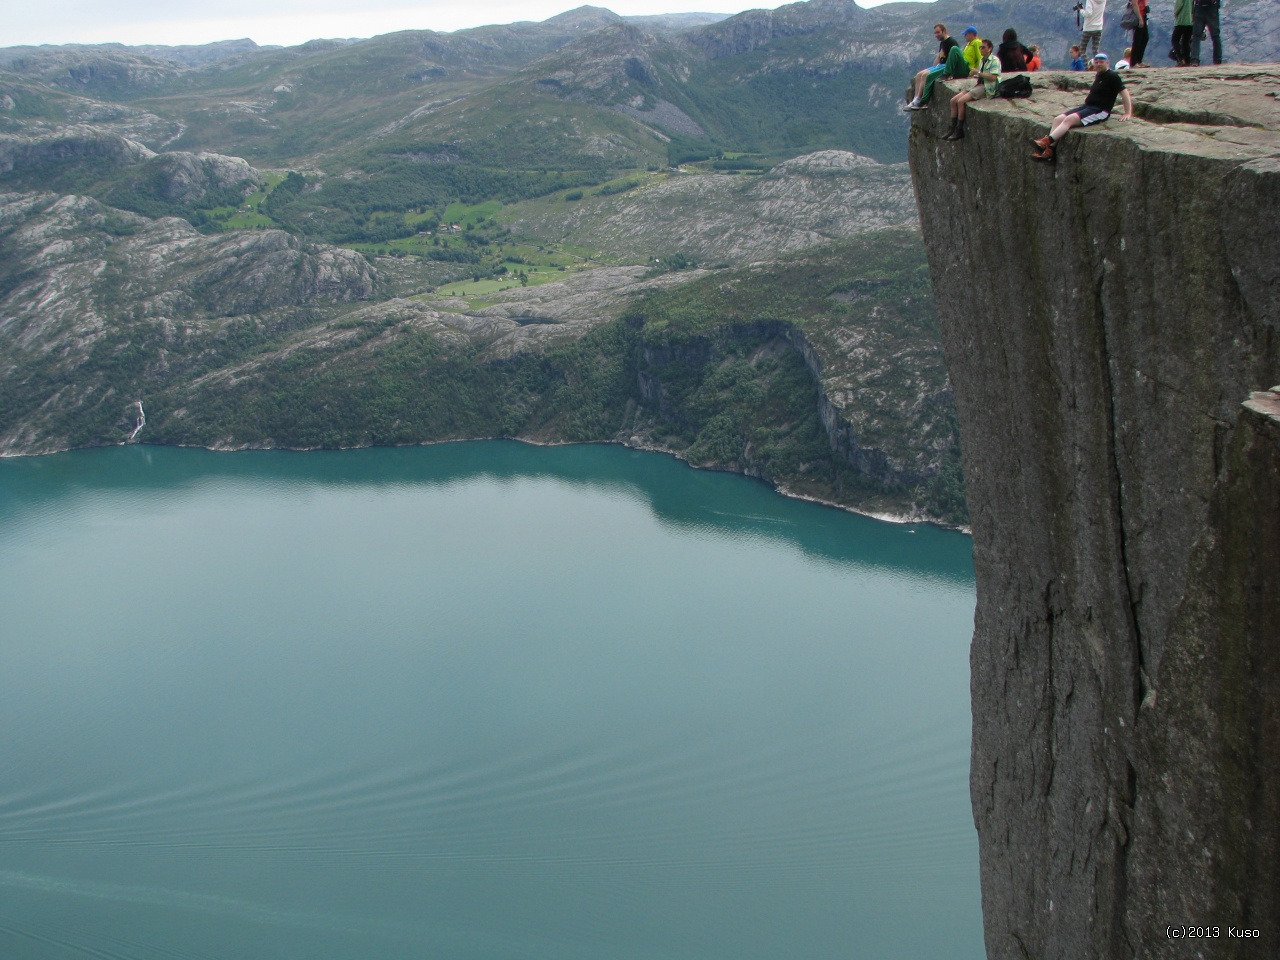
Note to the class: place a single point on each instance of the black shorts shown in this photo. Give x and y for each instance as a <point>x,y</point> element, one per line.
<point>1089,114</point>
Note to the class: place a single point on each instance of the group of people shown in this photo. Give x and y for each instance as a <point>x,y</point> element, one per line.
<point>956,62</point>
<point>1192,21</point>
<point>981,59</point>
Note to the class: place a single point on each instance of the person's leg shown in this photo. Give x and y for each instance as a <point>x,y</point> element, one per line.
<point>919,82</point>
<point>956,67</point>
<point>926,88</point>
<point>1197,31</point>
<point>960,103</point>
<point>1214,22</point>
<point>1044,143</point>
<point>926,91</point>
<point>1062,123</point>
<point>1140,37</point>
<point>1182,45</point>
<point>924,82</point>
<point>957,111</point>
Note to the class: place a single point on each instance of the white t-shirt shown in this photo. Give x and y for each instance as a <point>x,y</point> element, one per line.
<point>1093,11</point>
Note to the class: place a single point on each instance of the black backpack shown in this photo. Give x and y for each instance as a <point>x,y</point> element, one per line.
<point>1014,87</point>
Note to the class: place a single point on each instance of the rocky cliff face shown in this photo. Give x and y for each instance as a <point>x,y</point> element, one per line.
<point>1107,320</point>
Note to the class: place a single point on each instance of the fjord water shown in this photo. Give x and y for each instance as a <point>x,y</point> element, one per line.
<point>474,702</point>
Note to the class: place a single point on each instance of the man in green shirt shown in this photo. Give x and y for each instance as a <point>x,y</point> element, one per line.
<point>988,85</point>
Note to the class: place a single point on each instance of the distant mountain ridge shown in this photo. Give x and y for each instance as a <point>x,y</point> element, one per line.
<point>684,232</point>
<point>808,75</point>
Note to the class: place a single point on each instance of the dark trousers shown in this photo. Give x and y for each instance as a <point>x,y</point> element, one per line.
<point>1140,37</point>
<point>1182,44</point>
<point>1206,16</point>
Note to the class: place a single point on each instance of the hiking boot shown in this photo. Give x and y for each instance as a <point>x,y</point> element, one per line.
<point>1040,143</point>
<point>1045,154</point>
<point>958,133</point>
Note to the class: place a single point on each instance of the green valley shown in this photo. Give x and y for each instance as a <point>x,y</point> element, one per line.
<point>670,234</point>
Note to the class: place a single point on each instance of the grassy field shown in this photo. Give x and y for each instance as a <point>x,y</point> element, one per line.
<point>474,291</point>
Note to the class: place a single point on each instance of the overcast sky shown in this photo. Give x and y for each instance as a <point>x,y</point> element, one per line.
<point>290,21</point>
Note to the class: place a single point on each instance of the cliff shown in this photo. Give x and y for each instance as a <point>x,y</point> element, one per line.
<point>1108,321</point>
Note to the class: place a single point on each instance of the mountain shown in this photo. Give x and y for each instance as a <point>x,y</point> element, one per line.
<point>686,232</point>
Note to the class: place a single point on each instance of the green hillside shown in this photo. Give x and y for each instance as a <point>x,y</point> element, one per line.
<point>669,233</point>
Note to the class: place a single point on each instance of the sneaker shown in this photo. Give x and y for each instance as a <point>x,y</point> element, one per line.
<point>914,105</point>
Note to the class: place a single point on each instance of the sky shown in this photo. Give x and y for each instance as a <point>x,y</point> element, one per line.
<point>287,22</point>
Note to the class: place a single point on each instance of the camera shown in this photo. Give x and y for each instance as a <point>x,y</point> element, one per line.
<point>1079,22</point>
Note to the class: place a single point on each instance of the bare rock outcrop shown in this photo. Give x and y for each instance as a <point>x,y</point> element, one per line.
<point>831,194</point>
<point>72,144</point>
<point>1107,320</point>
<point>188,178</point>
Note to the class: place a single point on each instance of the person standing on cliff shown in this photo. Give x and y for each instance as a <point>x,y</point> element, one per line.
<point>1107,86</point>
<point>1206,17</point>
<point>1094,11</point>
<point>1182,19</point>
<point>1141,33</point>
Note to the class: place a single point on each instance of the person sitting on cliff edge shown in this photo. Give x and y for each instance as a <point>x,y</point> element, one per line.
<point>987,86</point>
<point>951,63</point>
<point>1107,86</point>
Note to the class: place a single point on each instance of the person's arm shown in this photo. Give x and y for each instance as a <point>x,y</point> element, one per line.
<point>1128,104</point>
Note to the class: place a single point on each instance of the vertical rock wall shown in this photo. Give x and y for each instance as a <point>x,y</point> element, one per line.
<point>1105,318</point>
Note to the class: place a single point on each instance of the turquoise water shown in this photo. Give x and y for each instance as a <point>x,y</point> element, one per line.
<point>474,702</point>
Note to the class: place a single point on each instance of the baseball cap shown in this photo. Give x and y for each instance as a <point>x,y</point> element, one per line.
<point>1101,56</point>
<point>971,29</point>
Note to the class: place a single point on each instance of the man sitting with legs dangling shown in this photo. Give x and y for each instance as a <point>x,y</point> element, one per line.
<point>1107,86</point>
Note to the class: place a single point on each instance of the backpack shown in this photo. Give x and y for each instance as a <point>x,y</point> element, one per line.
<point>1014,87</point>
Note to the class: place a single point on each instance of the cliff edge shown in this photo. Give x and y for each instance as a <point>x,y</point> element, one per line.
<point>1112,329</point>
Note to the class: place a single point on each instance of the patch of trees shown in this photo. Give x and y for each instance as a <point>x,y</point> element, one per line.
<point>343,210</point>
